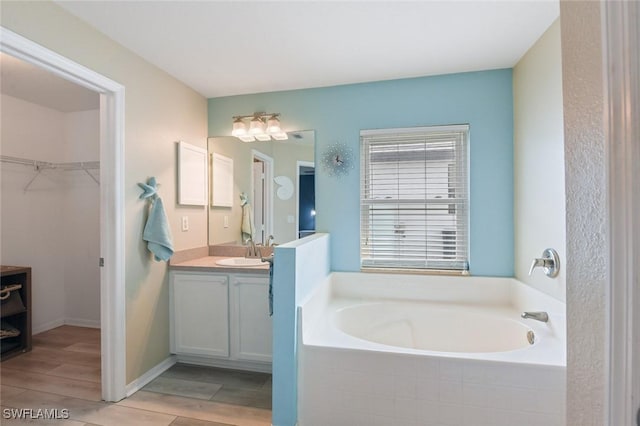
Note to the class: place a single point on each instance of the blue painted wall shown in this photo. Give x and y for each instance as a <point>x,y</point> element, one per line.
<point>299,268</point>
<point>482,99</point>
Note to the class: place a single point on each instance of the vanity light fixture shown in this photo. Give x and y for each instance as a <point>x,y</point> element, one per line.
<point>263,127</point>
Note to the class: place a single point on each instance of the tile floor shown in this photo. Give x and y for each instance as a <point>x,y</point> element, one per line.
<point>63,371</point>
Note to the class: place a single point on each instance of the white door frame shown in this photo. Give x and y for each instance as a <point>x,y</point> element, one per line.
<point>112,276</point>
<point>300,164</point>
<point>268,182</point>
<point>621,35</point>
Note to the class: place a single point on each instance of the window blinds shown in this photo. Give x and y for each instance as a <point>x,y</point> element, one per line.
<point>414,198</point>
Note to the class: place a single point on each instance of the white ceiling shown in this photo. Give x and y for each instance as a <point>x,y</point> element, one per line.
<point>36,85</point>
<point>222,48</point>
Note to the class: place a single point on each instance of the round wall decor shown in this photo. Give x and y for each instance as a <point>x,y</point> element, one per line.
<point>337,159</point>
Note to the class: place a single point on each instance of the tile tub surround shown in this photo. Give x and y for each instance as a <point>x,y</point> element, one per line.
<point>414,387</point>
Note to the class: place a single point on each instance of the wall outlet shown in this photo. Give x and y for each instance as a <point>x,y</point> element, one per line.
<point>226,221</point>
<point>185,223</point>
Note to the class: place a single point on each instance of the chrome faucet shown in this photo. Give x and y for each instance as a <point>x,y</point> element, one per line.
<point>269,242</point>
<point>252,250</point>
<point>538,316</point>
<point>550,262</point>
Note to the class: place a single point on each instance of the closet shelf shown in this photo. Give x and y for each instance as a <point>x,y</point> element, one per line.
<point>38,166</point>
<point>43,165</point>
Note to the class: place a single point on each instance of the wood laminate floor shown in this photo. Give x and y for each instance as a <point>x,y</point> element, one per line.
<point>63,372</point>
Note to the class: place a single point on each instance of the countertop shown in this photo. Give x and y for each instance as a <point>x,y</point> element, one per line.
<point>208,264</point>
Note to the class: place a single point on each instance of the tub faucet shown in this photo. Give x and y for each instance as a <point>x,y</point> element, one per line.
<point>538,316</point>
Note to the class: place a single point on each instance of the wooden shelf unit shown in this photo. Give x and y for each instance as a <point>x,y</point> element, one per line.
<point>12,346</point>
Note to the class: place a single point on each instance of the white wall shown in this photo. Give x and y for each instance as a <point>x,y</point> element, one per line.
<point>27,235</point>
<point>587,249</point>
<point>81,218</point>
<point>54,226</point>
<point>539,183</point>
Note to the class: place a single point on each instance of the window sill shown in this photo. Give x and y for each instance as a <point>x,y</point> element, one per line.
<point>415,271</point>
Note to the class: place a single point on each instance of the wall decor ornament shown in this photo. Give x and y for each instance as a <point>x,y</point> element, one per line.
<point>285,187</point>
<point>337,159</point>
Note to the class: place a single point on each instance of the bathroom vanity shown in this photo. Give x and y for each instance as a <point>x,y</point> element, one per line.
<point>220,315</point>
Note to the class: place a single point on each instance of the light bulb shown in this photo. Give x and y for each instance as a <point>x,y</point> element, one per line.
<point>273,125</point>
<point>239,128</point>
<point>256,126</point>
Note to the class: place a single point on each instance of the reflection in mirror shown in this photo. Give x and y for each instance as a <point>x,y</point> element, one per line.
<point>259,167</point>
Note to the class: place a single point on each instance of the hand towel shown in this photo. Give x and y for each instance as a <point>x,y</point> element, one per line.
<point>157,232</point>
<point>247,228</point>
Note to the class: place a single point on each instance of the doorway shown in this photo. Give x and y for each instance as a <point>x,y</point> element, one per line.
<point>305,199</point>
<point>111,177</point>
<point>262,191</point>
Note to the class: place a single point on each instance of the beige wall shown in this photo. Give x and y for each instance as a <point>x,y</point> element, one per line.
<point>587,250</point>
<point>159,110</point>
<point>539,195</point>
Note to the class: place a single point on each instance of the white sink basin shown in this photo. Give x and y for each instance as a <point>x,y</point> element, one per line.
<point>240,262</point>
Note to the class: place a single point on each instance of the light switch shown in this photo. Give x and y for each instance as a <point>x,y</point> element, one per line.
<point>226,221</point>
<point>290,218</point>
<point>185,223</point>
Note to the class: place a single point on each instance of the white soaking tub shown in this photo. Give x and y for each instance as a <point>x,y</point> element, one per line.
<point>430,350</point>
<point>435,326</point>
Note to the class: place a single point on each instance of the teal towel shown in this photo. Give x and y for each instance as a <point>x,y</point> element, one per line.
<point>157,233</point>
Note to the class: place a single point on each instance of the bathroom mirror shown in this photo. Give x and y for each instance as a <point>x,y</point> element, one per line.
<point>260,170</point>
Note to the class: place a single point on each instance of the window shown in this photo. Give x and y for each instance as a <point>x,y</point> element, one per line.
<point>414,200</point>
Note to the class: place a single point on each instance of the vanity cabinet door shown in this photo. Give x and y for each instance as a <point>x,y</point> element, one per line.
<point>199,314</point>
<point>250,321</point>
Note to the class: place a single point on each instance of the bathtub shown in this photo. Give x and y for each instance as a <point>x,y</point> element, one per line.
<point>381,349</point>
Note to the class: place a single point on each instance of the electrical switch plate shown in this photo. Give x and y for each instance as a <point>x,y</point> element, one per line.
<point>185,223</point>
<point>290,218</point>
<point>226,221</point>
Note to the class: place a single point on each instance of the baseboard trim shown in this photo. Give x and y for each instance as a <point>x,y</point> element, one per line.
<point>79,322</point>
<point>76,322</point>
<point>147,377</point>
<point>47,326</point>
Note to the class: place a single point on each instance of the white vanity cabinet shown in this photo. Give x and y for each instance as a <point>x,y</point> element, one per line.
<point>221,319</point>
<point>200,314</point>
<point>251,328</point>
